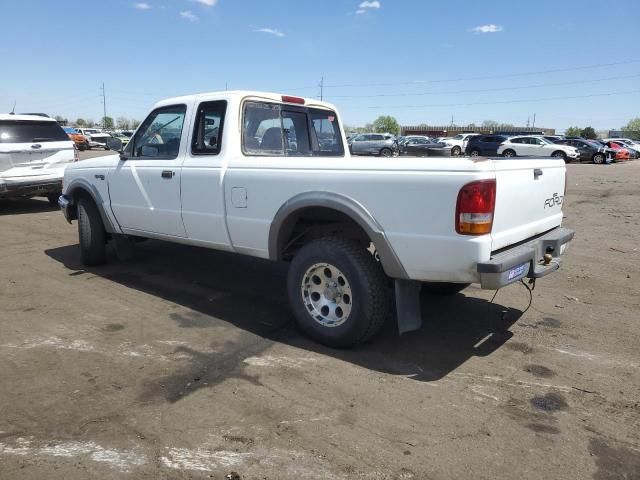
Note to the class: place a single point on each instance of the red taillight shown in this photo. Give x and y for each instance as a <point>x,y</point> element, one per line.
<point>290,99</point>
<point>475,207</point>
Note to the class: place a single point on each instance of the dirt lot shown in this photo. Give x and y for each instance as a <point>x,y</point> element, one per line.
<point>184,363</point>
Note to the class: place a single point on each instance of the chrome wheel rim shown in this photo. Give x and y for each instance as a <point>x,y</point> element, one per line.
<point>475,153</point>
<point>598,158</point>
<point>386,153</point>
<point>326,294</point>
<point>508,153</point>
<point>558,155</point>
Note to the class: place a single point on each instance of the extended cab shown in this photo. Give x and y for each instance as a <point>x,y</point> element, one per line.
<point>271,176</point>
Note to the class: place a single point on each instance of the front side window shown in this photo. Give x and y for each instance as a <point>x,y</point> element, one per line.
<point>273,129</point>
<point>518,140</point>
<point>207,134</point>
<point>159,135</point>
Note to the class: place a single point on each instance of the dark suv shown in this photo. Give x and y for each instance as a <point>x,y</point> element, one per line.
<point>590,150</point>
<point>484,145</point>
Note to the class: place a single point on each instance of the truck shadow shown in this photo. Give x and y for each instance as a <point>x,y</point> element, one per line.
<point>251,294</point>
<point>25,205</point>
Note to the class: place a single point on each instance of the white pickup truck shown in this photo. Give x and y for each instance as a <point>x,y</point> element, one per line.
<point>270,176</point>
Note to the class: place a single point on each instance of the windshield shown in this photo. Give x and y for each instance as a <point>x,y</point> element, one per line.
<point>28,131</point>
<point>70,130</point>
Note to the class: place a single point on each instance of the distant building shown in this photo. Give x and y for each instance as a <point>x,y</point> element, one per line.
<point>449,131</point>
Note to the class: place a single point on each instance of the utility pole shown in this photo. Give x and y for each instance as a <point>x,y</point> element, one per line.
<point>534,119</point>
<point>321,88</point>
<point>452,119</point>
<point>104,105</point>
<point>528,118</point>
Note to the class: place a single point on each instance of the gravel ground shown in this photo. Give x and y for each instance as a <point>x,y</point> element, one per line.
<point>184,363</point>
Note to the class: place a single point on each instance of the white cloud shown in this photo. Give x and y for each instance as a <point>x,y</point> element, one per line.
<point>208,3</point>
<point>367,5</point>
<point>189,15</point>
<point>489,28</point>
<point>271,31</point>
<point>142,6</point>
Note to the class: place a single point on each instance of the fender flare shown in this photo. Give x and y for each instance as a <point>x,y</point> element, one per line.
<point>81,184</point>
<point>354,210</point>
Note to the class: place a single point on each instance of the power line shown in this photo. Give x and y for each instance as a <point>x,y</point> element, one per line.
<point>483,90</point>
<point>498,102</point>
<point>484,77</point>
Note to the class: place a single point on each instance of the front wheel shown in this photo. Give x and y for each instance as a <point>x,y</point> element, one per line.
<point>456,151</point>
<point>338,292</point>
<point>91,233</point>
<point>474,153</point>
<point>386,152</point>
<point>559,154</point>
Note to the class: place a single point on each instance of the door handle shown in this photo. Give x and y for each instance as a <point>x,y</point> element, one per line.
<point>168,174</point>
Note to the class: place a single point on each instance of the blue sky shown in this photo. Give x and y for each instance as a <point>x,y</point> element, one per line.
<point>419,61</point>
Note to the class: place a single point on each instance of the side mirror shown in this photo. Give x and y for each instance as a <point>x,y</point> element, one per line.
<point>114,144</point>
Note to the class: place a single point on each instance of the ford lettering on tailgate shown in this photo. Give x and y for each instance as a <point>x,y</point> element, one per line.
<point>553,201</point>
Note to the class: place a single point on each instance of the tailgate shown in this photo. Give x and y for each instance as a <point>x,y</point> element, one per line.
<point>529,198</point>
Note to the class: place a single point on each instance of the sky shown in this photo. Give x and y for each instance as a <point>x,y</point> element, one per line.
<point>569,62</point>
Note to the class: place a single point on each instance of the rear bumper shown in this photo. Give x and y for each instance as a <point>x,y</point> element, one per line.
<point>526,260</point>
<point>29,188</point>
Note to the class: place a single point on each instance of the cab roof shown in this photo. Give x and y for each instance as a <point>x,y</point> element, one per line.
<point>248,94</point>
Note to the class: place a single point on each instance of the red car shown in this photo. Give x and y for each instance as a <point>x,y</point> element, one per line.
<point>622,154</point>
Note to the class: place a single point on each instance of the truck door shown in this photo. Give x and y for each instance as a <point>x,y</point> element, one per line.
<point>203,169</point>
<point>145,188</point>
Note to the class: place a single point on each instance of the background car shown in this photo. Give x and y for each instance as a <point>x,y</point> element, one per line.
<point>622,153</point>
<point>120,136</point>
<point>34,151</point>
<point>96,137</point>
<point>536,146</point>
<point>383,144</point>
<point>424,147</point>
<point>590,150</point>
<point>634,149</point>
<point>457,143</point>
<point>80,140</point>
<point>484,145</point>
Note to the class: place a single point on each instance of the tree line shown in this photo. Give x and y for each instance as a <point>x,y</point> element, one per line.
<point>121,123</point>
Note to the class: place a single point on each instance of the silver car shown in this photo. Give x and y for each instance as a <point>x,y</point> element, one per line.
<point>383,144</point>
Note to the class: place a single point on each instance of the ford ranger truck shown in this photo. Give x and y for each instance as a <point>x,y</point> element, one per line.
<point>270,176</point>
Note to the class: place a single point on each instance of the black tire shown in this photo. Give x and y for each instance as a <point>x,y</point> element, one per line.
<point>106,147</point>
<point>386,152</point>
<point>598,158</point>
<point>369,300</point>
<point>443,288</point>
<point>91,234</point>
<point>560,154</point>
<point>509,153</point>
<point>474,153</point>
<point>53,198</point>
<point>456,151</point>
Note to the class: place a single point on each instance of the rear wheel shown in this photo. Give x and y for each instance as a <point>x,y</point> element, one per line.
<point>474,153</point>
<point>598,158</point>
<point>338,292</point>
<point>455,151</point>
<point>91,233</point>
<point>559,154</point>
<point>386,152</point>
<point>509,153</point>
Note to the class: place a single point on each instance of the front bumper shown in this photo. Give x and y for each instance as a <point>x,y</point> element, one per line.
<point>65,203</point>
<point>526,260</point>
<point>29,188</point>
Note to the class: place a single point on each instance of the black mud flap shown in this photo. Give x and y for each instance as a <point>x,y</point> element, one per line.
<point>408,305</point>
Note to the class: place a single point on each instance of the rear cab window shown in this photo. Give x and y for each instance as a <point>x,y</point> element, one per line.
<point>272,129</point>
<point>31,131</point>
